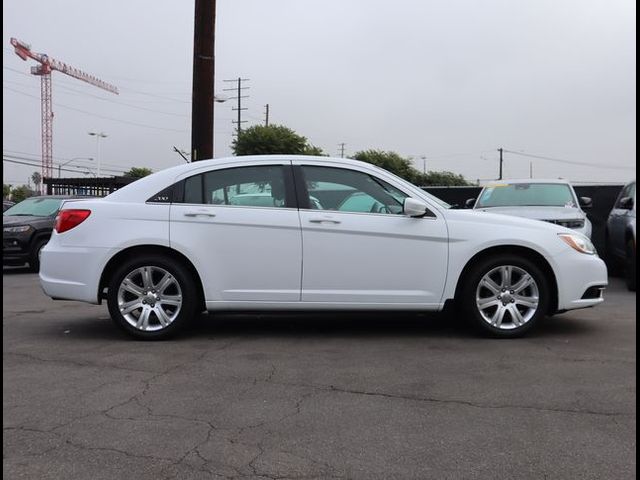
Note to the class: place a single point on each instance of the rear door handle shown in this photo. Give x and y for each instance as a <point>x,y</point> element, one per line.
<point>324,220</point>
<point>199,213</point>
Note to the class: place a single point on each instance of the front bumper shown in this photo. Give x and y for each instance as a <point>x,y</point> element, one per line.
<point>15,249</point>
<point>578,275</point>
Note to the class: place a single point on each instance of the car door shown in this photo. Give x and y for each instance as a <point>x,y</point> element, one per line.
<point>358,246</point>
<point>618,220</point>
<point>240,226</point>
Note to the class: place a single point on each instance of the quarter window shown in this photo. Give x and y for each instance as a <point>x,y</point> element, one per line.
<point>346,190</point>
<point>262,186</point>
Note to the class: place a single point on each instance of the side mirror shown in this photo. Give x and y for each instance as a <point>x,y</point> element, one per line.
<point>469,203</point>
<point>626,203</point>
<point>414,208</point>
<point>586,202</point>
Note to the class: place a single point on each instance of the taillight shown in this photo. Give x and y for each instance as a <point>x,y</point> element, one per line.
<point>68,219</point>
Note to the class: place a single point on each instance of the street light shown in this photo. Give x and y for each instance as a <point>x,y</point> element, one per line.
<point>68,162</point>
<point>98,136</point>
<point>424,164</point>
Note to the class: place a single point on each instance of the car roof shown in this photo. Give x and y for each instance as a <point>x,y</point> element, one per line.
<point>150,185</point>
<point>62,197</point>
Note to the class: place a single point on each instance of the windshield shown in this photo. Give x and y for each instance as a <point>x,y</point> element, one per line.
<point>38,207</point>
<point>527,194</point>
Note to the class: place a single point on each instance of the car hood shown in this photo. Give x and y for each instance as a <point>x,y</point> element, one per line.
<point>537,213</point>
<point>8,220</point>
<point>501,220</point>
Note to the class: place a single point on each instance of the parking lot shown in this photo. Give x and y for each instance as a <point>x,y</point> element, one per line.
<point>358,396</point>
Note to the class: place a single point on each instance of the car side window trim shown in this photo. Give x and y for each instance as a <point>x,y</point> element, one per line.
<point>304,202</point>
<point>179,190</point>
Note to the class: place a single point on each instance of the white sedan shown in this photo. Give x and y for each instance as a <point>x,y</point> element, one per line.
<point>308,233</point>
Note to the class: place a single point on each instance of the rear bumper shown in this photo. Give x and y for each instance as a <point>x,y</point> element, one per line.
<point>72,273</point>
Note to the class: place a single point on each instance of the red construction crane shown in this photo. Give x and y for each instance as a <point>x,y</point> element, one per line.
<point>48,65</point>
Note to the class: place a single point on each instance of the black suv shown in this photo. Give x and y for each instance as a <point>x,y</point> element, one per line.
<point>27,227</point>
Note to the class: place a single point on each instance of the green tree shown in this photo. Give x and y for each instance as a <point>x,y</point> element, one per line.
<point>20,193</point>
<point>6,190</point>
<point>36,178</point>
<point>138,172</point>
<point>441,179</point>
<point>389,161</point>
<point>272,140</point>
<point>403,167</point>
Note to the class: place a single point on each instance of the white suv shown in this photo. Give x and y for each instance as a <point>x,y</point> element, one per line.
<point>553,201</point>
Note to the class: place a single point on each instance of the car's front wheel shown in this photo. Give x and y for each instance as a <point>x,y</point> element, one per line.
<point>36,252</point>
<point>152,297</point>
<point>505,296</point>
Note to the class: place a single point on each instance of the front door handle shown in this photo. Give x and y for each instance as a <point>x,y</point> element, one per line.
<point>324,220</point>
<point>199,213</point>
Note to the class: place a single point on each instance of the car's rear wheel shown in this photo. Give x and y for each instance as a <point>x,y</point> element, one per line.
<point>630,267</point>
<point>505,296</point>
<point>152,297</point>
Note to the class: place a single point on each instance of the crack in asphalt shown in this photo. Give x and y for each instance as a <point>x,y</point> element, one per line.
<point>116,450</point>
<point>468,403</point>
<point>75,363</point>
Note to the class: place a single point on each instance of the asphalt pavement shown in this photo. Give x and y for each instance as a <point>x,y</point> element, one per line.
<point>392,396</point>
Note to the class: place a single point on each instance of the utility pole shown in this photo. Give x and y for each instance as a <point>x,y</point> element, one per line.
<point>238,89</point>
<point>500,150</point>
<point>530,169</point>
<point>266,115</point>
<point>202,97</point>
<point>424,164</point>
<point>341,145</point>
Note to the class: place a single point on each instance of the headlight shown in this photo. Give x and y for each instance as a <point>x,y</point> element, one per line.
<point>578,242</point>
<point>20,229</point>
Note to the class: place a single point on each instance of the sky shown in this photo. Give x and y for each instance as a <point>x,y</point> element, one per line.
<point>446,82</point>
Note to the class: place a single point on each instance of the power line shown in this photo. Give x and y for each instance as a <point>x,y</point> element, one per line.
<point>569,162</point>
<point>122,103</point>
<point>99,116</point>
<point>15,158</point>
<point>12,153</point>
<point>125,89</point>
<point>154,95</point>
<point>10,160</point>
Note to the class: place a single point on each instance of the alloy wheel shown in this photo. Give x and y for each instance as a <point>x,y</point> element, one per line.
<point>149,298</point>
<point>507,297</point>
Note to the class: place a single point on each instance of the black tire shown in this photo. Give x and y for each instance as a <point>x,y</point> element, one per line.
<point>609,257</point>
<point>34,256</point>
<point>181,276</point>
<point>630,265</point>
<point>467,297</point>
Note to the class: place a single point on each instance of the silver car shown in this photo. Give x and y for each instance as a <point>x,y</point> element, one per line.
<point>621,233</point>
<point>553,201</point>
